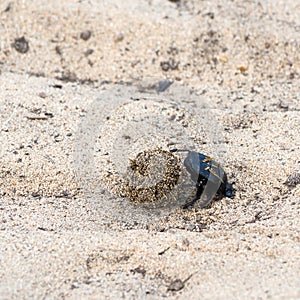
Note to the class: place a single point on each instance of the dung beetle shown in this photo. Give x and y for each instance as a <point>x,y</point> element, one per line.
<point>209,176</point>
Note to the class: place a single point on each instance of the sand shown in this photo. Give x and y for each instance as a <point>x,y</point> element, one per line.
<point>79,98</point>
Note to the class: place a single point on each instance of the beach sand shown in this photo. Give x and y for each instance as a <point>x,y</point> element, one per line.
<point>79,98</point>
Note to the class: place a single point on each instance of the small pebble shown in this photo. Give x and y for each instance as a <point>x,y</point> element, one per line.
<point>176,285</point>
<point>243,69</point>
<point>165,66</point>
<point>119,37</point>
<point>88,52</point>
<point>223,58</point>
<point>85,35</point>
<point>21,45</point>
<point>58,50</point>
<point>293,179</point>
<point>42,95</point>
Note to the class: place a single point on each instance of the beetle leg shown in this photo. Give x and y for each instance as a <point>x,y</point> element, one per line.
<point>214,173</point>
<point>229,191</point>
<point>197,197</point>
<point>207,159</point>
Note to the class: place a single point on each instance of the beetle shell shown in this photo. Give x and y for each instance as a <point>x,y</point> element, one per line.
<point>204,169</point>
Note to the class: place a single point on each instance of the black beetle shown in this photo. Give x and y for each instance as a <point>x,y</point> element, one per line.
<point>209,176</point>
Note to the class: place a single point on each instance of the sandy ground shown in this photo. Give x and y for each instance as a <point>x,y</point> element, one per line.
<point>75,105</point>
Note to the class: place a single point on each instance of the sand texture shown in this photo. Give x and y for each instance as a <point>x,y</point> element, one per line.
<point>94,94</point>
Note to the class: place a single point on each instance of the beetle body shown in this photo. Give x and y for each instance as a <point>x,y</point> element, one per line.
<point>209,176</point>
